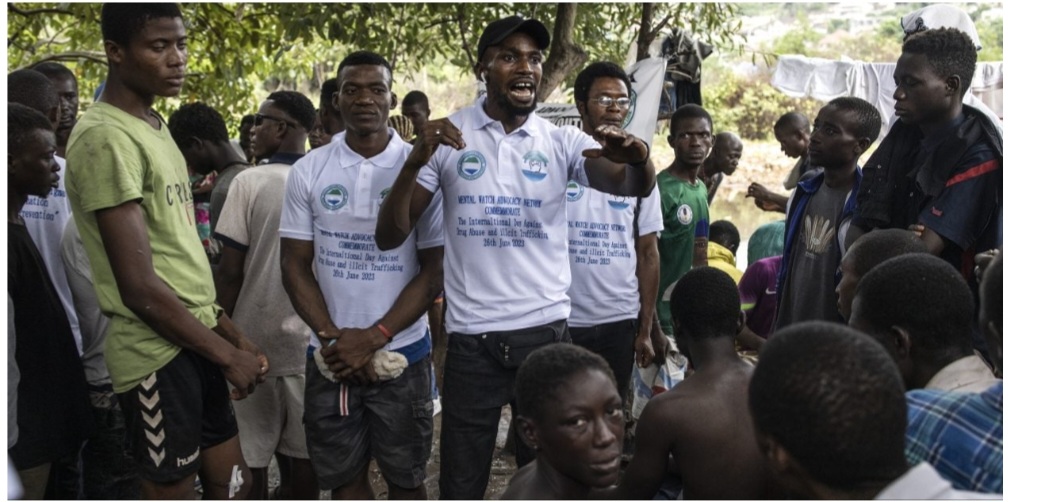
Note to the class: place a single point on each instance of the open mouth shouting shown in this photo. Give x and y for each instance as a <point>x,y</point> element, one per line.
<point>523,91</point>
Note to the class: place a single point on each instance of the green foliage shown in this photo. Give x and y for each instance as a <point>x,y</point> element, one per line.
<point>749,106</point>
<point>238,52</point>
<point>800,40</point>
<point>991,39</point>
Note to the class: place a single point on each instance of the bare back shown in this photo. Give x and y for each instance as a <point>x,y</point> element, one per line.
<point>704,423</point>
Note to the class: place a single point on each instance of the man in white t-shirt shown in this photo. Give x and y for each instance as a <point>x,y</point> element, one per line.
<point>613,244</point>
<point>360,299</point>
<point>503,172</point>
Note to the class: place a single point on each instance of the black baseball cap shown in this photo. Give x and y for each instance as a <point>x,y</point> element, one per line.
<point>499,30</point>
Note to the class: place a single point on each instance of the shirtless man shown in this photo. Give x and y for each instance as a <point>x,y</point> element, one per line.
<point>716,456</point>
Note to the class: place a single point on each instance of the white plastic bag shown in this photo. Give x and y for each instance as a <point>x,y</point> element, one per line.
<point>655,379</point>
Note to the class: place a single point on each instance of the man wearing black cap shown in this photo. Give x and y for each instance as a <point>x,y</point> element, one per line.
<point>503,172</point>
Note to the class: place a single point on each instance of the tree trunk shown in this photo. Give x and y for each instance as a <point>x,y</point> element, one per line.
<point>646,34</point>
<point>564,56</point>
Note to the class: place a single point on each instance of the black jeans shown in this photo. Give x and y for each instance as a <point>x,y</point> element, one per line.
<point>615,342</point>
<point>475,388</point>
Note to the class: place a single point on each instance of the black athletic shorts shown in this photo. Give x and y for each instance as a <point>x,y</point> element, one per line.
<point>176,412</point>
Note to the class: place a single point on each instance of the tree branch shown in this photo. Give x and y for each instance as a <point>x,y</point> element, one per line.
<point>399,32</point>
<point>660,26</point>
<point>465,46</point>
<point>563,55</point>
<point>33,12</point>
<point>97,57</point>
<point>438,22</point>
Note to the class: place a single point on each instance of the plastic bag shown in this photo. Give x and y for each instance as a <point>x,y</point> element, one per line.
<point>655,379</point>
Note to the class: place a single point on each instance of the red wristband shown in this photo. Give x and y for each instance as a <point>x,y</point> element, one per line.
<point>384,331</point>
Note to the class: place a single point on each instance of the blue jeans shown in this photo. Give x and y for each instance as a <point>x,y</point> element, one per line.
<point>475,388</point>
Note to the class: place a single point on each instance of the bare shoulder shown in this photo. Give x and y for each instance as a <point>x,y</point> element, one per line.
<point>522,485</point>
<point>712,395</point>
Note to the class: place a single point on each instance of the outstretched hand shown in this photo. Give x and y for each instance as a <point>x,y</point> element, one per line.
<point>764,199</point>
<point>618,146</point>
<point>434,133</point>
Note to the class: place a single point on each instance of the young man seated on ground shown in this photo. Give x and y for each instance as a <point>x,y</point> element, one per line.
<point>960,433</point>
<point>833,426</point>
<point>919,309</point>
<point>723,242</point>
<point>758,295</point>
<point>570,414</point>
<point>867,253</point>
<point>716,456</point>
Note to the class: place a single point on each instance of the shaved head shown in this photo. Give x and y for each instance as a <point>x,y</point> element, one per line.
<point>727,139</point>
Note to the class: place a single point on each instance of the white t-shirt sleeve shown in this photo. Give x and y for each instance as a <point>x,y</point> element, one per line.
<point>296,218</point>
<point>650,218</point>
<point>575,142</point>
<point>429,175</point>
<point>430,226</point>
<point>233,223</point>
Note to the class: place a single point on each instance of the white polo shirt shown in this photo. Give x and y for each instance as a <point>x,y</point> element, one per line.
<point>333,196</point>
<point>603,259</point>
<point>506,265</point>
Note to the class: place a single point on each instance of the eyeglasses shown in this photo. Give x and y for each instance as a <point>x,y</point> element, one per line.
<point>259,117</point>
<point>606,101</point>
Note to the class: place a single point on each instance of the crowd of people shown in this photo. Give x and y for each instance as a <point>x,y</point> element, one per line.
<point>361,265</point>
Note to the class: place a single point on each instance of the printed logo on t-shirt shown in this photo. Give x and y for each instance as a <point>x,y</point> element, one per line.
<point>535,165</point>
<point>471,165</point>
<point>384,192</point>
<point>574,191</point>
<point>818,232</point>
<point>334,197</point>
<point>619,203</point>
<point>684,214</point>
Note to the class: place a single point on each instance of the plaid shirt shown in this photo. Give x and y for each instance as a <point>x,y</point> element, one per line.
<point>960,434</point>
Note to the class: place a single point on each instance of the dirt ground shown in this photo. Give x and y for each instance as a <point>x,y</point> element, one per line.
<point>501,472</point>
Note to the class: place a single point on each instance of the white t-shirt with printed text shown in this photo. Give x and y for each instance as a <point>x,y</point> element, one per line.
<point>506,264</point>
<point>603,259</point>
<point>332,199</point>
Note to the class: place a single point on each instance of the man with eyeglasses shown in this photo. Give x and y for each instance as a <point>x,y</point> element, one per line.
<point>613,245</point>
